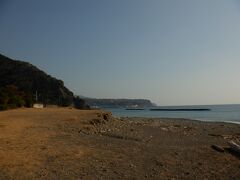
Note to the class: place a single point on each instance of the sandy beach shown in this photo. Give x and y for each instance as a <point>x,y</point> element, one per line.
<point>64,143</point>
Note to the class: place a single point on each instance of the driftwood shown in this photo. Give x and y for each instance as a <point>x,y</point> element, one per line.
<point>215,135</point>
<point>217,148</point>
<point>234,146</point>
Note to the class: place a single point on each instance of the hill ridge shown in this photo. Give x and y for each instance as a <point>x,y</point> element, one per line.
<point>29,78</point>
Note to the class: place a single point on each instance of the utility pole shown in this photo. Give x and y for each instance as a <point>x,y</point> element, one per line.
<point>36,96</point>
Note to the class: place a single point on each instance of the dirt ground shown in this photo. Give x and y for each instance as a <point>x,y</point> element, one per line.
<point>63,143</point>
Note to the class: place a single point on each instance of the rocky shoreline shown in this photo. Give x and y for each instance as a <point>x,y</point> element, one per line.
<point>62,143</point>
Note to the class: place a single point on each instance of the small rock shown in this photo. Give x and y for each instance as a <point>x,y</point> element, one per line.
<point>158,163</point>
<point>131,165</point>
<point>164,129</point>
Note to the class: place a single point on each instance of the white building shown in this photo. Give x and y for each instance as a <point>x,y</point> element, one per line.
<point>38,106</point>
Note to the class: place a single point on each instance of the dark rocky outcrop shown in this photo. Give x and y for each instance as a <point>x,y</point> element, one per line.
<point>80,103</point>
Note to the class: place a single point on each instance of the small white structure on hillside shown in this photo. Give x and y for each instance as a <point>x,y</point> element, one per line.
<point>38,106</point>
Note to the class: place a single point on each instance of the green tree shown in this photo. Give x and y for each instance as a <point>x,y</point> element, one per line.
<point>11,97</point>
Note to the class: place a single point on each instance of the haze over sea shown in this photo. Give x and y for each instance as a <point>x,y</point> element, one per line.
<point>220,113</point>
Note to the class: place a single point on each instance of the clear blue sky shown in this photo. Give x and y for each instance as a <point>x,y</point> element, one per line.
<point>173,52</point>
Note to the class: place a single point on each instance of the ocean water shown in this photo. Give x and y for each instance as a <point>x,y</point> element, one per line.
<point>219,113</point>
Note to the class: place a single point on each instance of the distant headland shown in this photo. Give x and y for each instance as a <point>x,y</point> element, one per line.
<point>119,103</point>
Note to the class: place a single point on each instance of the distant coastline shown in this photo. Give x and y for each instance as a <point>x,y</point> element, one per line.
<point>217,113</point>
<point>185,109</point>
<point>119,103</point>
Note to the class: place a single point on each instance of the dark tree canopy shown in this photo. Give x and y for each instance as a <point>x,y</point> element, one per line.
<point>11,97</point>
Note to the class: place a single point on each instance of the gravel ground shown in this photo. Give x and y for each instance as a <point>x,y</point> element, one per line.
<point>63,143</point>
